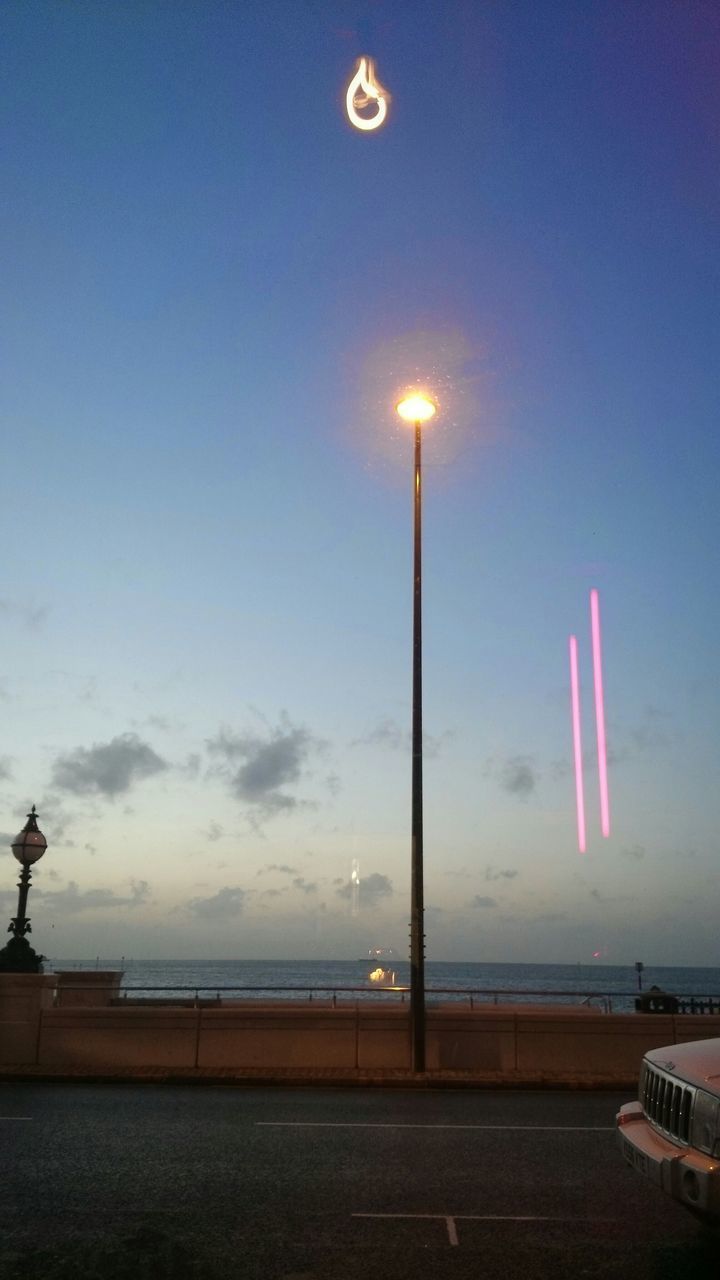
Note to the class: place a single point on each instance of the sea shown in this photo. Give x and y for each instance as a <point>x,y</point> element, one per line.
<point>612,987</point>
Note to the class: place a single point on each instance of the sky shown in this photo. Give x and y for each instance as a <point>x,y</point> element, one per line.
<point>214,290</point>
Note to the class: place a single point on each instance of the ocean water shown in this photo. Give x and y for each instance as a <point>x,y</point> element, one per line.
<point>349,979</point>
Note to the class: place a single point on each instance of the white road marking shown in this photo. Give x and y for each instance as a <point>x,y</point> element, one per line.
<point>497,1128</point>
<point>450,1220</point>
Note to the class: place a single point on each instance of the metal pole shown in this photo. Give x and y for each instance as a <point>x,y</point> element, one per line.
<point>417,910</point>
<point>21,922</point>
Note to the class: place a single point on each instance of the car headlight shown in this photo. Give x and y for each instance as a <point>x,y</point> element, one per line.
<point>705,1133</point>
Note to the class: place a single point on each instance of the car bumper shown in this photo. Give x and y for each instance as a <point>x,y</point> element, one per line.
<point>684,1173</point>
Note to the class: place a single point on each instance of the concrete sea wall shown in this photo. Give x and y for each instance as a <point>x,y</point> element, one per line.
<point>504,1045</point>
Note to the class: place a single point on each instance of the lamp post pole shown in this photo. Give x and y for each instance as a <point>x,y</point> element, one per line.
<point>417,409</point>
<point>417,906</point>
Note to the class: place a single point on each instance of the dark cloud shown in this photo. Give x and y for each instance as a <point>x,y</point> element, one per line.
<point>280,867</point>
<point>655,731</point>
<point>5,768</point>
<point>492,873</point>
<point>518,776</point>
<point>269,764</point>
<point>71,900</point>
<point>226,904</point>
<point>165,724</point>
<point>373,889</point>
<point>306,886</point>
<point>54,821</point>
<point>30,615</point>
<point>388,734</point>
<point>108,769</point>
<point>636,851</point>
<point>479,901</point>
<point>214,832</point>
<point>191,767</point>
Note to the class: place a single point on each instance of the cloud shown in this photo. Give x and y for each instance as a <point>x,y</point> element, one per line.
<point>479,901</point>
<point>5,768</point>
<point>373,889</point>
<point>269,764</point>
<point>165,724</point>
<point>191,768</point>
<point>54,821</point>
<point>30,615</point>
<point>517,775</point>
<point>655,731</point>
<point>388,734</point>
<point>636,851</point>
<point>70,900</point>
<point>226,904</point>
<point>108,768</point>
<point>306,886</point>
<point>282,867</point>
<point>214,832</point>
<point>492,874</point>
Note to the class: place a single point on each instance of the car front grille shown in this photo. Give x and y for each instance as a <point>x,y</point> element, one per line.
<point>667,1102</point>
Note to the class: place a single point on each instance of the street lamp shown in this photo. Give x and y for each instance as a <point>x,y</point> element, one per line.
<point>417,409</point>
<point>18,956</point>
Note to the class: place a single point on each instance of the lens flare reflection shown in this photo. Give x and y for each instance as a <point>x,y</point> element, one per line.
<point>364,89</point>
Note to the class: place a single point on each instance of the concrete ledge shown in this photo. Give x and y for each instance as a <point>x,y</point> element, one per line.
<point>266,1041</point>
<point>23,998</point>
<point>270,1038</point>
<point>87,988</point>
<point>136,1038</point>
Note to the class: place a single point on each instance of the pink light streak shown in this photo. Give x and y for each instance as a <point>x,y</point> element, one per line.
<point>600,713</point>
<point>577,744</point>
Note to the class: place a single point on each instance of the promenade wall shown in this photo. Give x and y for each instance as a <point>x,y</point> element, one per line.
<point>494,1044</point>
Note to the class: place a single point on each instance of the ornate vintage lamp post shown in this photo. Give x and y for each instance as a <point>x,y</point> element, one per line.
<point>417,409</point>
<point>18,956</point>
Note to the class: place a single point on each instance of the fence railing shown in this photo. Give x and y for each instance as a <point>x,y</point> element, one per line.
<point>607,1002</point>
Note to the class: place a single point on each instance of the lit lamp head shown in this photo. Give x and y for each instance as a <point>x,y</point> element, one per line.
<point>30,844</point>
<point>416,408</point>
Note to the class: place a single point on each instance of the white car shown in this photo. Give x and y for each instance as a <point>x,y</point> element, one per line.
<point>672,1134</point>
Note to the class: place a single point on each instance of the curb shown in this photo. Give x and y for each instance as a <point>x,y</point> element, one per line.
<point>293,1078</point>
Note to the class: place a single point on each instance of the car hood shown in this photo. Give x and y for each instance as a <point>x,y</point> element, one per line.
<point>697,1062</point>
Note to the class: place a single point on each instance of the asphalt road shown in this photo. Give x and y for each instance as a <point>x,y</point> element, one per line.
<point>200,1182</point>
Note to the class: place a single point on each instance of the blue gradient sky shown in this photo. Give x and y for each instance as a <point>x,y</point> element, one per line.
<point>212,290</point>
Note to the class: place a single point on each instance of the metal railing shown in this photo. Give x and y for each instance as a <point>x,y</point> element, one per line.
<point>606,1002</point>
<point>335,994</point>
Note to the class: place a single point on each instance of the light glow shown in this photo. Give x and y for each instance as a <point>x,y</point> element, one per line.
<point>363,89</point>
<point>416,408</point>
<point>577,744</point>
<point>385,977</point>
<point>600,713</point>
